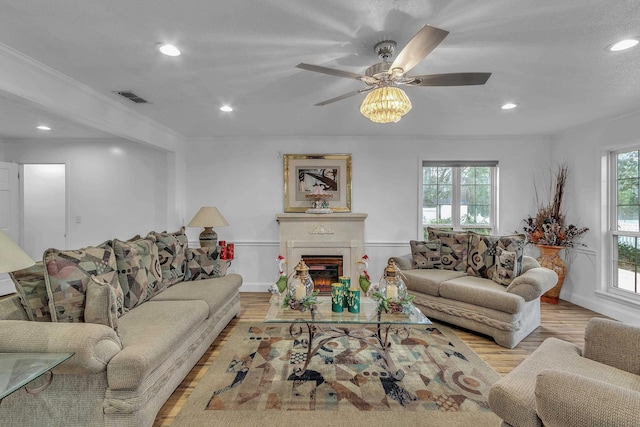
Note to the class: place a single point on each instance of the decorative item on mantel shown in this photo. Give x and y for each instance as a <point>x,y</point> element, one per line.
<point>319,204</point>
<point>392,295</point>
<point>301,295</point>
<point>549,232</point>
<point>208,217</point>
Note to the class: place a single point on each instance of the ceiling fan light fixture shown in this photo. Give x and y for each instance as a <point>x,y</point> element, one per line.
<point>385,104</point>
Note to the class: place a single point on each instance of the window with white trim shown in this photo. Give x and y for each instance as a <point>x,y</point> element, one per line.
<point>625,221</point>
<point>459,195</point>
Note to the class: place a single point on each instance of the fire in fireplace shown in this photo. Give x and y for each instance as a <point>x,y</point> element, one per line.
<point>324,270</point>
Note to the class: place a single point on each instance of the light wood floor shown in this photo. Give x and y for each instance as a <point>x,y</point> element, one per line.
<point>565,321</point>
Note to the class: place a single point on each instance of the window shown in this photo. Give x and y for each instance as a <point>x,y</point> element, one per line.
<point>625,221</point>
<point>459,195</point>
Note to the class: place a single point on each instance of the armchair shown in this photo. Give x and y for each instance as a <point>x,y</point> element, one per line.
<point>561,385</point>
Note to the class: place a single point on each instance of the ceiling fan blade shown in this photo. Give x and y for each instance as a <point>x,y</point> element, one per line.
<point>450,79</point>
<point>330,71</point>
<point>418,48</point>
<point>346,95</point>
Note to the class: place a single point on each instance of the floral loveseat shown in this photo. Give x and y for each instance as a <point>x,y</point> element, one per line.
<point>138,315</point>
<point>483,283</point>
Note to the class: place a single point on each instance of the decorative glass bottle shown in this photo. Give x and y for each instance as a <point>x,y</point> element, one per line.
<point>300,283</point>
<point>391,284</point>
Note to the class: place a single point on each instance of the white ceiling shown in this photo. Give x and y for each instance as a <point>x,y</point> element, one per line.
<point>547,56</point>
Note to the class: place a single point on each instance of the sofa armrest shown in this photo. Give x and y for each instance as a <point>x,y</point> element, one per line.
<point>94,345</point>
<point>613,343</point>
<point>405,262</point>
<point>564,399</point>
<point>533,283</point>
<point>528,263</point>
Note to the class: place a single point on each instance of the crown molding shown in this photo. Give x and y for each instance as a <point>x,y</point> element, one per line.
<point>26,79</point>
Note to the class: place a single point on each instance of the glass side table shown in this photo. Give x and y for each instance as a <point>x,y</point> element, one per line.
<point>17,370</point>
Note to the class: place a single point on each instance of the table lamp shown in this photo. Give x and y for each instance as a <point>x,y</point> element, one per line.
<point>12,257</point>
<point>208,217</point>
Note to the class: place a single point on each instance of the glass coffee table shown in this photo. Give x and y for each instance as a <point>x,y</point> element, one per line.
<point>370,327</point>
<point>19,369</point>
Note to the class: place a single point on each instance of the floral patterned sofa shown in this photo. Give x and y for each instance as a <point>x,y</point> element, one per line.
<point>478,282</point>
<point>138,315</point>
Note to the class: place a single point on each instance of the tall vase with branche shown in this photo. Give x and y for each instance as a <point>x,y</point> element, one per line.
<point>550,233</point>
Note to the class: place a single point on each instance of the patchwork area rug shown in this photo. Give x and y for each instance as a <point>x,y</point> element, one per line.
<point>252,382</point>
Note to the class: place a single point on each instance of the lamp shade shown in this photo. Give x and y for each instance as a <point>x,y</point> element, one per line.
<point>208,217</point>
<point>386,104</point>
<point>12,257</point>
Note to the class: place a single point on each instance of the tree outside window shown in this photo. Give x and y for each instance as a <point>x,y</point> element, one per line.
<point>459,196</point>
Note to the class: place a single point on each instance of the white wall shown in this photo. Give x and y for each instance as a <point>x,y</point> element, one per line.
<point>243,177</point>
<point>117,187</point>
<point>583,150</point>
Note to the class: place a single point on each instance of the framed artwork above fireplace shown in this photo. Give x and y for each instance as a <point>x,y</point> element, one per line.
<point>308,173</point>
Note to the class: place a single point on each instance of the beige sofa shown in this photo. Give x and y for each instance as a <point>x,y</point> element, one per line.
<point>124,371</point>
<point>464,294</point>
<point>562,385</point>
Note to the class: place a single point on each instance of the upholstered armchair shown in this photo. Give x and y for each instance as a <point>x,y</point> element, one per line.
<point>561,385</point>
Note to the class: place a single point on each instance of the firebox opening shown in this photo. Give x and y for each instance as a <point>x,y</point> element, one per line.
<point>324,270</point>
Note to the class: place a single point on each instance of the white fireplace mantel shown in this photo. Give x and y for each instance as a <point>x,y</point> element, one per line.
<point>323,234</point>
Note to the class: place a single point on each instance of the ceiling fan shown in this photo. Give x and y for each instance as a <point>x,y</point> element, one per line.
<point>386,102</point>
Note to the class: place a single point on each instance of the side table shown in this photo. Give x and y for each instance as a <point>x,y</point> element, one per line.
<point>17,370</point>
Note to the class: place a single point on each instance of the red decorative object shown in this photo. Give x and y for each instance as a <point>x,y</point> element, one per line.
<point>230,250</point>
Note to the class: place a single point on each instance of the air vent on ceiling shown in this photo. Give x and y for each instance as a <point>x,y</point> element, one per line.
<point>132,97</point>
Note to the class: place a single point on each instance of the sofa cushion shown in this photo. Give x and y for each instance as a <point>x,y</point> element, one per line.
<point>32,288</point>
<point>101,305</point>
<point>215,292</point>
<point>505,267</point>
<point>512,243</point>
<point>427,281</point>
<point>425,254</point>
<point>172,253</point>
<point>149,334</point>
<point>138,270</point>
<point>204,263</point>
<point>481,256</point>
<point>67,275</point>
<point>481,292</point>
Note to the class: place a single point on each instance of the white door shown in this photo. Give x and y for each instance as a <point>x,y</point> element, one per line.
<point>9,213</point>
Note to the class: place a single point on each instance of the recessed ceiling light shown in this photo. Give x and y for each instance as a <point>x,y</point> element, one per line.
<point>169,50</point>
<point>226,108</point>
<point>509,106</point>
<point>622,45</point>
<point>43,127</point>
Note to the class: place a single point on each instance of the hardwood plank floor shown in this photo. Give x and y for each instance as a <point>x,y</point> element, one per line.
<point>565,321</point>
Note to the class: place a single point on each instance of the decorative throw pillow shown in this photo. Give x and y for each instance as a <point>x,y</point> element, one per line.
<point>512,243</point>
<point>138,270</point>
<point>425,254</point>
<point>505,268</point>
<point>67,275</point>
<point>172,253</point>
<point>482,253</point>
<point>32,289</point>
<point>204,263</point>
<point>101,304</point>
<point>453,252</point>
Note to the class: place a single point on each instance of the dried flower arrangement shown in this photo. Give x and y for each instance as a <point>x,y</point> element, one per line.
<point>548,226</point>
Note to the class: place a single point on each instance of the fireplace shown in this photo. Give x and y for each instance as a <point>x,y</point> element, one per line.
<point>326,236</point>
<point>324,270</point>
